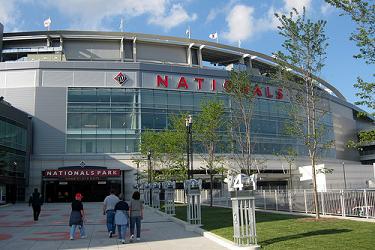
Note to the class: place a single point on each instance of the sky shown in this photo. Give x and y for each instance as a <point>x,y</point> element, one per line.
<point>250,21</point>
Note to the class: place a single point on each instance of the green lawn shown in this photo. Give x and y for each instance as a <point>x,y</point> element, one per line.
<point>277,231</point>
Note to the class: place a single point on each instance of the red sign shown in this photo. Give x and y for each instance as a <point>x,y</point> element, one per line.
<point>261,91</point>
<point>81,173</point>
<point>120,78</point>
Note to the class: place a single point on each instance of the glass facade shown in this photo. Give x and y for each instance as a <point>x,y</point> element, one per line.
<point>13,144</point>
<point>109,120</point>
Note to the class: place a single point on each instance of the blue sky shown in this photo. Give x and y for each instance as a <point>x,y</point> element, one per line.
<point>250,21</point>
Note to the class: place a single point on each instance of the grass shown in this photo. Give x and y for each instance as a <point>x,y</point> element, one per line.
<point>279,231</point>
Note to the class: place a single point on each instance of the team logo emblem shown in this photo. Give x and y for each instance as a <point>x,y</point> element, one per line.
<point>120,78</point>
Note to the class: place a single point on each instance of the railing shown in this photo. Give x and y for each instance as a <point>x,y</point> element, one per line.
<point>357,203</point>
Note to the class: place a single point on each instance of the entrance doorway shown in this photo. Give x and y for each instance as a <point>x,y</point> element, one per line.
<point>64,191</point>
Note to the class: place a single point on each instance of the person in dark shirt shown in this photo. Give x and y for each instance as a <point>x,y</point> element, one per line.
<point>122,218</point>
<point>36,202</point>
<point>76,217</point>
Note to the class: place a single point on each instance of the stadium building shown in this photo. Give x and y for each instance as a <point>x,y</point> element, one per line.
<point>92,93</point>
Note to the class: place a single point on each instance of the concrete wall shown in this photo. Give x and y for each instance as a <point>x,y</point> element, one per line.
<point>345,129</point>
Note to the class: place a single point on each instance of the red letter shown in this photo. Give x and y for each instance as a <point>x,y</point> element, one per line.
<point>227,85</point>
<point>279,94</point>
<point>213,85</point>
<point>258,91</point>
<point>182,83</point>
<point>268,93</point>
<point>160,80</point>
<point>200,81</point>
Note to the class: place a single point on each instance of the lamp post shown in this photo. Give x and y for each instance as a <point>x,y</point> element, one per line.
<point>189,145</point>
<point>149,166</point>
<point>149,175</point>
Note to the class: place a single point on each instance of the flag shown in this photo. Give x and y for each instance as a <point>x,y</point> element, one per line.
<point>187,32</point>
<point>213,35</point>
<point>47,22</point>
<point>121,25</point>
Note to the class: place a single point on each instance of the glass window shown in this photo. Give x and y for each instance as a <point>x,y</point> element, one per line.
<point>187,100</point>
<point>74,120</point>
<point>103,146</point>
<point>103,95</point>
<point>89,146</point>
<point>161,98</point>
<point>160,119</point>
<point>88,95</point>
<point>118,120</point>
<point>174,99</point>
<point>73,146</point>
<point>118,145</point>
<point>103,120</point>
<point>89,121</point>
<point>74,95</point>
<point>147,98</point>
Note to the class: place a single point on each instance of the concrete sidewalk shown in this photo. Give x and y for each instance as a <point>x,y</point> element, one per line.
<point>18,231</point>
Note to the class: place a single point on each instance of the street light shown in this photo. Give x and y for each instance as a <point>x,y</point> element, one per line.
<point>149,167</point>
<point>189,145</point>
<point>149,174</point>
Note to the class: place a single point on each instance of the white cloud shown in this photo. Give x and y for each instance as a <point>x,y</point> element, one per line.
<point>218,10</point>
<point>176,16</point>
<point>91,14</point>
<point>326,9</point>
<point>240,23</point>
<point>8,12</point>
<point>297,4</point>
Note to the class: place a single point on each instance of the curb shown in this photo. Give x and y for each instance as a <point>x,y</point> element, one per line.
<point>211,236</point>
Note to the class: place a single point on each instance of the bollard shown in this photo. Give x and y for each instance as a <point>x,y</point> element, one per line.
<point>193,192</point>
<point>243,209</point>
<point>146,194</point>
<point>169,188</point>
<point>156,195</point>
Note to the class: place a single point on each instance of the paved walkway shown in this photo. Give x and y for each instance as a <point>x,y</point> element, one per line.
<point>18,231</point>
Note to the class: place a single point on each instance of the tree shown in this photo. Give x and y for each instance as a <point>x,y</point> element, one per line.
<point>243,99</point>
<point>305,45</point>
<point>289,155</point>
<point>208,129</point>
<point>363,14</point>
<point>167,149</point>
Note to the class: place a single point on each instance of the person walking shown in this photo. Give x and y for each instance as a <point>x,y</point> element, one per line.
<point>36,202</point>
<point>122,218</point>
<point>136,215</point>
<point>77,217</point>
<point>109,209</point>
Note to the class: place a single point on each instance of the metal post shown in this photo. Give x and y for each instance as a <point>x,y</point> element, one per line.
<point>189,145</point>
<point>304,196</point>
<point>343,170</point>
<point>149,174</point>
<point>342,198</point>
<point>187,150</point>
<point>138,174</point>
<point>276,200</point>
<point>366,204</point>
<point>322,201</point>
<point>264,199</point>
